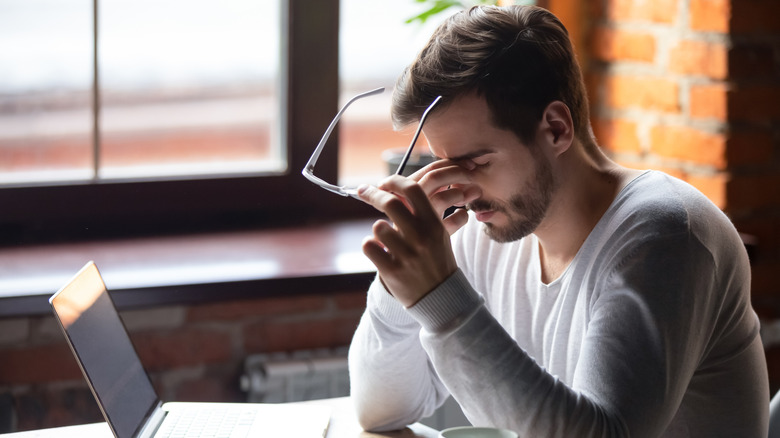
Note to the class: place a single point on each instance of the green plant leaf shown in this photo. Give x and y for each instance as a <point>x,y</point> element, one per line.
<point>437,6</point>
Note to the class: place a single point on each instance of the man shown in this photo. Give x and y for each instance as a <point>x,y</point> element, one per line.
<point>577,298</point>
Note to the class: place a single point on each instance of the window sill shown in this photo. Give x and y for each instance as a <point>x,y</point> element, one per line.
<point>192,268</point>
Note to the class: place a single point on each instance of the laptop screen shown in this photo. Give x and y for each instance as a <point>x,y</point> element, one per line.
<point>107,356</point>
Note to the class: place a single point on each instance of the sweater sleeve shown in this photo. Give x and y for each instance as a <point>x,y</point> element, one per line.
<point>392,382</point>
<point>648,330</point>
<point>494,380</point>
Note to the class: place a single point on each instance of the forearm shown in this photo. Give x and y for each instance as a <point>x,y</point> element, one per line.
<point>495,381</point>
<point>506,388</point>
<point>392,383</point>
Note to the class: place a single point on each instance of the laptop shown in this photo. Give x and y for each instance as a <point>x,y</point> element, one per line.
<point>124,392</point>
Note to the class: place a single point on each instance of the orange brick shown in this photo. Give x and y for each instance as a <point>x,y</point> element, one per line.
<point>48,363</point>
<point>351,300</point>
<point>673,171</point>
<point>632,162</point>
<point>709,101</point>
<point>617,135</point>
<point>689,144</point>
<point>233,310</point>
<point>643,92</point>
<point>166,350</point>
<point>594,82</point>
<point>571,13</point>
<point>659,11</point>
<point>699,58</point>
<point>291,335</point>
<point>618,45</point>
<point>594,10</point>
<point>710,15</point>
<point>712,186</point>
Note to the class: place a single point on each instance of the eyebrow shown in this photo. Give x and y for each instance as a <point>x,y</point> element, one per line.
<point>472,155</point>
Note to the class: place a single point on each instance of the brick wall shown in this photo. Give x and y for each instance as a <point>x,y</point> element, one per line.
<point>692,87</point>
<point>192,353</point>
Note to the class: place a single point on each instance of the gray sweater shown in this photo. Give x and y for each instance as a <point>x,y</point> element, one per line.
<point>649,332</point>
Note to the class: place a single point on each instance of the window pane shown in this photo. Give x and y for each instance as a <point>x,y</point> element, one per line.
<point>375,46</point>
<point>45,89</point>
<point>189,87</point>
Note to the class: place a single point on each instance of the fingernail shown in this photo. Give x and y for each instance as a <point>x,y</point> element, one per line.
<point>362,189</point>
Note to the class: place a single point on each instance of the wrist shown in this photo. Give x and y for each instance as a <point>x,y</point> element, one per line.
<point>448,305</point>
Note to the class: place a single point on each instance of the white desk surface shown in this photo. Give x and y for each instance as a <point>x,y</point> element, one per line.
<point>343,424</point>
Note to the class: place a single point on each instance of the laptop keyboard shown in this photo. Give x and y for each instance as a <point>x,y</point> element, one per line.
<point>207,423</point>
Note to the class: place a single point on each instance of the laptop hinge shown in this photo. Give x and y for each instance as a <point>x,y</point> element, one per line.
<point>153,422</point>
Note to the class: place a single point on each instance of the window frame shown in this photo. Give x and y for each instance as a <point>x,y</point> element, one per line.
<point>110,208</point>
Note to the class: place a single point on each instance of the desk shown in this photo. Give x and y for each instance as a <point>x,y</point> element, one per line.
<point>343,424</point>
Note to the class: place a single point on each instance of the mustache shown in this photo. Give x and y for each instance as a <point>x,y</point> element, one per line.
<point>482,205</point>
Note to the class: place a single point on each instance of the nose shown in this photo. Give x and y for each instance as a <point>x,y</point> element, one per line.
<point>471,192</point>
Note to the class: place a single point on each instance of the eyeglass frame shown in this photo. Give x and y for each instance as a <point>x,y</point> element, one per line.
<point>308,170</point>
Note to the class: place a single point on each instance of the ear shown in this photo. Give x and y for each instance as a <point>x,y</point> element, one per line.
<point>557,127</point>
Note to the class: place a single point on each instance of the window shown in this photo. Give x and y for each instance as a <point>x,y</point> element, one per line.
<point>41,199</point>
<point>188,88</point>
<point>184,88</point>
<point>45,86</point>
<point>376,44</point>
<point>202,115</point>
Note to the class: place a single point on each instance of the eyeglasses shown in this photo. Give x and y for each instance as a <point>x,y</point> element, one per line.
<point>308,171</point>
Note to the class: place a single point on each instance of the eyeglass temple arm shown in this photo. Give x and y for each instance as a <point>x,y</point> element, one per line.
<point>316,155</point>
<point>408,154</point>
<point>343,191</point>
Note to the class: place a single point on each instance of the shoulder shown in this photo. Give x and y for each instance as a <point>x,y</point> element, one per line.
<point>662,216</point>
<point>659,203</point>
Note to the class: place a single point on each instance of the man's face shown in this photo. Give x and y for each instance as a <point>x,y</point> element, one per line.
<point>516,179</point>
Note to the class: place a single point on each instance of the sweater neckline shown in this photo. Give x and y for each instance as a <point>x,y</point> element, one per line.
<point>554,285</point>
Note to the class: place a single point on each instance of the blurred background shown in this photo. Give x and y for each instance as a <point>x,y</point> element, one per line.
<point>126,126</point>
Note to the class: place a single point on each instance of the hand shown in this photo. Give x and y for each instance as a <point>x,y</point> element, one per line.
<point>414,255</point>
<point>446,185</point>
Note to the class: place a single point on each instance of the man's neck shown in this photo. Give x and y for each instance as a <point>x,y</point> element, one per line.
<point>587,185</point>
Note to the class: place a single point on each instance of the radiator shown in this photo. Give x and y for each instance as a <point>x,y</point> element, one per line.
<point>313,375</point>
<point>297,376</point>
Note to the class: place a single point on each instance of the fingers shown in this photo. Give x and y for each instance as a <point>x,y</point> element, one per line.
<point>376,253</point>
<point>416,199</point>
<point>445,199</point>
<point>443,183</point>
<point>413,254</point>
<point>385,246</point>
<point>445,174</point>
<point>456,221</point>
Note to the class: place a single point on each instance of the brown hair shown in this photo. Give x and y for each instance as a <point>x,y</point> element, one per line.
<point>519,58</point>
